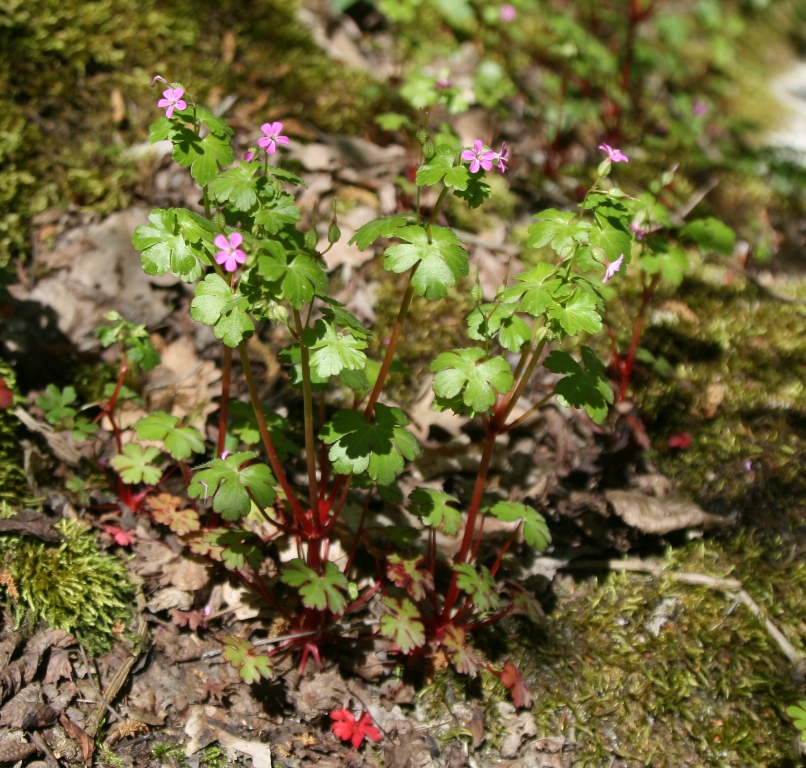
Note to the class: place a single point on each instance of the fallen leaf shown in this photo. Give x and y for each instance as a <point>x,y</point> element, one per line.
<point>659,516</point>
<point>29,522</point>
<point>203,731</point>
<point>27,711</point>
<point>80,736</point>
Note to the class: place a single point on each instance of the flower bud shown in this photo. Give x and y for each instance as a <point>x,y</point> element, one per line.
<point>476,293</point>
<point>333,233</point>
<point>429,150</point>
<point>311,238</point>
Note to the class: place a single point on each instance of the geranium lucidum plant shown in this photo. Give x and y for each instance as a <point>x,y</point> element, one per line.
<point>250,263</point>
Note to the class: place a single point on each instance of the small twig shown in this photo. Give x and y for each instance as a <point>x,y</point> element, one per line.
<point>95,688</point>
<point>43,747</point>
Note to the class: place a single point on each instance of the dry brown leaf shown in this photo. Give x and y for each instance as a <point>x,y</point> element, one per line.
<point>517,728</point>
<point>80,736</point>
<point>186,574</point>
<point>182,384</point>
<point>21,671</point>
<point>203,731</point>
<point>11,750</point>
<point>659,516</point>
<point>29,522</point>
<point>27,711</point>
<point>323,692</point>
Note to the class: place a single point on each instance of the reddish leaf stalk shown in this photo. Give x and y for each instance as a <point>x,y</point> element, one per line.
<point>307,405</point>
<point>627,365</point>
<point>226,371</point>
<point>266,437</point>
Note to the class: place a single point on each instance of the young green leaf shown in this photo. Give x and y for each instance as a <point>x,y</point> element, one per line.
<point>236,548</point>
<point>317,592</point>
<point>579,312</point>
<point>162,247</point>
<point>56,403</point>
<point>440,263</point>
<point>250,664</point>
<point>481,588</point>
<point>202,155</point>
<point>300,278</point>
<point>558,229</point>
<point>710,235</point>
<point>238,185</point>
<point>583,387</point>
<point>487,320</point>
<point>476,192</point>
<point>218,305</point>
<point>386,226</point>
<point>403,625</point>
<point>441,167</point>
<point>535,530</point>
<point>378,448</point>
<point>535,291</point>
<point>274,215</point>
<point>672,264</point>
<point>332,352</point>
<point>799,715</point>
<point>180,442</point>
<point>230,485</point>
<point>134,464</point>
<point>461,371</point>
<point>433,507</point>
<point>614,241</point>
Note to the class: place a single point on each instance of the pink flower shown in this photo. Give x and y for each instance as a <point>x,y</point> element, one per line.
<point>478,157</point>
<point>637,230</point>
<point>171,100</point>
<point>230,254</point>
<point>272,137</point>
<point>122,538</point>
<point>502,157</point>
<point>612,268</point>
<point>443,83</point>
<point>700,108</point>
<point>249,156</point>
<point>508,12</point>
<point>346,727</point>
<point>614,155</point>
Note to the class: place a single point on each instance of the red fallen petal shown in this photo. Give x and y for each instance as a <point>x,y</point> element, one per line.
<point>682,441</point>
<point>121,537</point>
<point>6,395</point>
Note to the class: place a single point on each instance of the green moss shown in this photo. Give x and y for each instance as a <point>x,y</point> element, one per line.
<point>71,584</point>
<point>708,689</point>
<point>61,62</point>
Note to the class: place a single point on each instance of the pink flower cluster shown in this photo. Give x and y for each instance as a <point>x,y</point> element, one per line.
<point>229,255</point>
<point>479,157</point>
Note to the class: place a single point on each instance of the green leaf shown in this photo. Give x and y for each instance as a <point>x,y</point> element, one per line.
<point>535,530</point>
<point>180,442</point>
<point>433,507</point>
<point>404,625</point>
<point>614,241</point>
<point>134,464</point>
<point>333,352</point>
<point>386,226</point>
<point>799,715</point>
<point>215,124</point>
<point>584,387</point>
<point>55,403</point>
<point>378,448</point>
<point>559,230</point>
<point>460,371</point>
<point>440,263</point>
<point>710,235</point>
<point>275,215</point>
<point>578,313</point>
<point>218,305</point>
<point>476,193</point>
<point>235,549</point>
<point>202,155</point>
<point>230,485</point>
<point>487,320</point>
<point>244,426</point>
<point>238,185</point>
<point>481,588</point>
<point>82,429</point>
<point>300,279</point>
<point>671,265</point>
<point>440,167</point>
<point>250,664</point>
<point>317,592</point>
<point>535,291</point>
<point>163,248</point>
